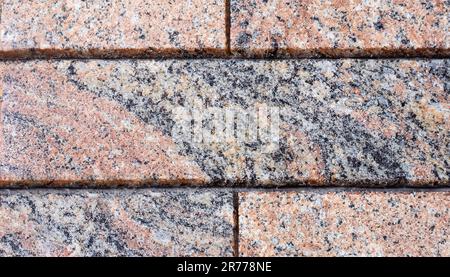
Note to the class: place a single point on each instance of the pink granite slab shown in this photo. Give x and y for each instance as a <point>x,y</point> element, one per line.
<point>340,28</point>
<point>112,28</point>
<point>343,223</point>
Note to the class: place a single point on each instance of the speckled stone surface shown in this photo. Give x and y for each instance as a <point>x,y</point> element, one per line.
<point>327,223</point>
<point>342,122</point>
<point>340,28</point>
<point>115,223</point>
<point>112,28</point>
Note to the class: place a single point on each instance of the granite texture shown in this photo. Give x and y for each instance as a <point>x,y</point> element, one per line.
<point>327,223</point>
<point>340,28</point>
<point>331,122</point>
<point>115,223</point>
<point>124,28</point>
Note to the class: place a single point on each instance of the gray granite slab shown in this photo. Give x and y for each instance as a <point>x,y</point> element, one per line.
<point>116,223</point>
<point>225,122</point>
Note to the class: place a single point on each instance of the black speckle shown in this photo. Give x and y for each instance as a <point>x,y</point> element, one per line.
<point>378,26</point>
<point>173,37</point>
<point>244,24</point>
<point>353,162</point>
<point>243,39</point>
<point>71,70</point>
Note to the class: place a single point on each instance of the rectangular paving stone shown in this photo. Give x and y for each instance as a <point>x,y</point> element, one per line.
<point>340,28</point>
<point>344,223</point>
<point>116,223</point>
<point>225,122</point>
<point>124,28</point>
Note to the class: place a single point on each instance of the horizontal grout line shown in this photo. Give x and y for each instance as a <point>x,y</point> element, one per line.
<point>238,189</point>
<point>366,184</point>
<point>225,53</point>
<point>350,189</point>
<point>229,57</point>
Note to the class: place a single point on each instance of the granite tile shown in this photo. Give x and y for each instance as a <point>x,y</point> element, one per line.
<point>116,223</point>
<point>340,28</point>
<point>225,122</point>
<point>125,28</point>
<point>344,223</point>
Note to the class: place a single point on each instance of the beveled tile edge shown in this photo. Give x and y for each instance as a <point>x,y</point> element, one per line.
<point>334,53</point>
<point>135,53</point>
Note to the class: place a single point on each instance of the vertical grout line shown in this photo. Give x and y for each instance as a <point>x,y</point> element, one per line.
<point>228,26</point>
<point>236,224</point>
